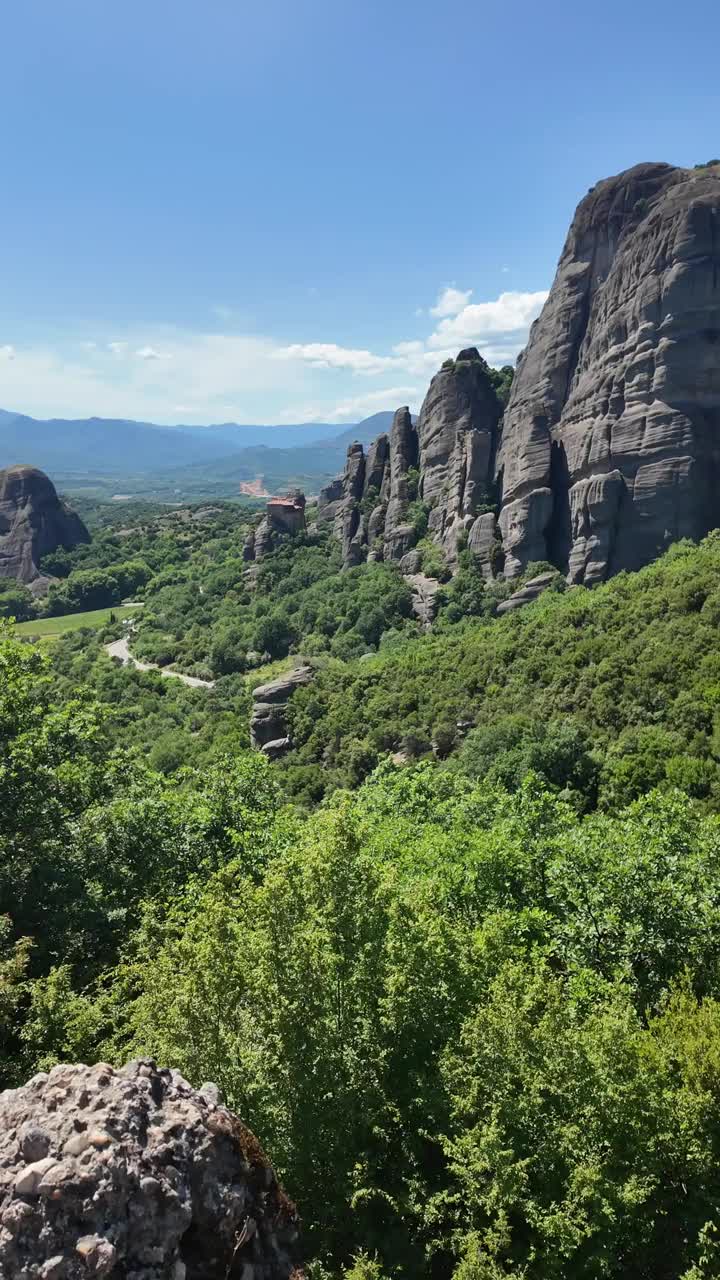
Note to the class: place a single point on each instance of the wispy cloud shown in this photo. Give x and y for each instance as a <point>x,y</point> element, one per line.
<point>329,355</point>
<point>149,353</point>
<point>162,374</point>
<point>450,301</point>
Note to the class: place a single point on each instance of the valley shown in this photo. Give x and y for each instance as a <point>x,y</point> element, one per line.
<point>373,783</point>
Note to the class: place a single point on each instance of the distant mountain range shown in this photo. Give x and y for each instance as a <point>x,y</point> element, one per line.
<point>105,456</point>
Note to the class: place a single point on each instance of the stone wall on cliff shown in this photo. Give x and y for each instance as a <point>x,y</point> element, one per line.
<point>33,523</point>
<point>135,1175</point>
<point>283,517</point>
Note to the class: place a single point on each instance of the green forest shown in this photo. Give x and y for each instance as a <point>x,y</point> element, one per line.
<point>455,959</point>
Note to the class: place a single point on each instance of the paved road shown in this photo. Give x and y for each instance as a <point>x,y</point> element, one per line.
<point>120,649</point>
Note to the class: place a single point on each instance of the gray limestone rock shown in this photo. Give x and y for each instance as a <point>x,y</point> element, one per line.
<point>144,1178</point>
<point>33,522</point>
<point>403,457</point>
<point>458,431</point>
<point>483,541</point>
<point>268,719</point>
<point>411,562</point>
<point>398,541</point>
<point>330,498</point>
<point>611,440</point>
<point>527,593</point>
<point>424,593</point>
<point>378,458</point>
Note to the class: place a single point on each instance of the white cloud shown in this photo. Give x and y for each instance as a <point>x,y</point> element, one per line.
<point>450,301</point>
<point>355,407</point>
<point>149,353</point>
<point>328,355</point>
<point>511,313</point>
<point>164,374</point>
<point>386,398</point>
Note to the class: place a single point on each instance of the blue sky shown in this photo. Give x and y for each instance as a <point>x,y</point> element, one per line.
<point>290,211</point>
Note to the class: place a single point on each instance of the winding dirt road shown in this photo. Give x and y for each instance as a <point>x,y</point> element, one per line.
<point>120,649</point>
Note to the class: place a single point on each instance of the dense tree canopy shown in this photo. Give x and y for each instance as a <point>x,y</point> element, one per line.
<point>470,1003</point>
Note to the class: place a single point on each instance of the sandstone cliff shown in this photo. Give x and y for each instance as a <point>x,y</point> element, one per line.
<point>135,1174</point>
<point>33,522</point>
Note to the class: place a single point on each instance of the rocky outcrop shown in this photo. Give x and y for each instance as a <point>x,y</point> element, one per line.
<point>33,522</point>
<point>135,1174</point>
<point>445,462</point>
<point>268,719</point>
<point>611,440</point>
<point>458,431</point>
<point>424,597</point>
<point>609,448</point>
<point>283,516</point>
<point>528,592</point>
<point>398,535</point>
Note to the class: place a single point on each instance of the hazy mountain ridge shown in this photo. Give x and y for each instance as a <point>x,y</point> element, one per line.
<point>145,458</point>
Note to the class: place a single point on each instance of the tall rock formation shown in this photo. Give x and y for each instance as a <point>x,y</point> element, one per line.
<point>445,462</point>
<point>33,522</point>
<point>268,719</point>
<point>611,438</point>
<point>609,448</point>
<point>283,516</point>
<point>458,429</point>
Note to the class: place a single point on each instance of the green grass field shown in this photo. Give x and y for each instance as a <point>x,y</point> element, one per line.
<point>48,629</point>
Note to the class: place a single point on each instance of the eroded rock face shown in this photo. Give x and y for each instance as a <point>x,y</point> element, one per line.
<point>458,430</point>
<point>446,461</point>
<point>268,719</point>
<point>134,1174</point>
<point>282,516</point>
<point>609,448</point>
<point>33,522</point>
<point>529,592</point>
<point>611,439</point>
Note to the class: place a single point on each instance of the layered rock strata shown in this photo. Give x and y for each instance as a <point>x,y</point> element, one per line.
<point>442,465</point>
<point>33,522</point>
<point>268,718</point>
<point>611,439</point>
<point>135,1174</point>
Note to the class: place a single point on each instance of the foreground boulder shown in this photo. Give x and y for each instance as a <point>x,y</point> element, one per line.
<point>33,522</point>
<point>134,1174</point>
